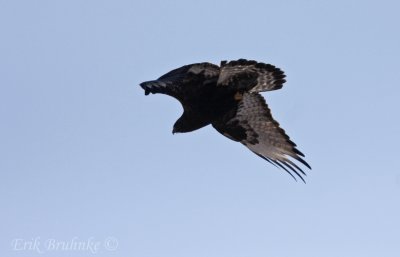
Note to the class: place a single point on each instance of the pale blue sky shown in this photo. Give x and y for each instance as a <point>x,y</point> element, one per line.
<point>84,154</point>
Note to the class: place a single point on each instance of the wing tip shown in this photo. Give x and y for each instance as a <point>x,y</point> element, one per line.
<point>289,164</point>
<point>298,158</point>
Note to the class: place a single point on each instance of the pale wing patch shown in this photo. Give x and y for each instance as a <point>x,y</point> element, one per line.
<point>270,142</point>
<point>251,76</point>
<point>206,69</point>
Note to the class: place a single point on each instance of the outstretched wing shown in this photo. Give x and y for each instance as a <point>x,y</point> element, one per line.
<point>252,125</point>
<point>251,76</point>
<point>176,82</point>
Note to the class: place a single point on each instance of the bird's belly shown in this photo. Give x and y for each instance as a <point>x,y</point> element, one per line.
<point>212,110</point>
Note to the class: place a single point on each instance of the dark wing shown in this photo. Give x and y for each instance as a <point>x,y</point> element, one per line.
<point>252,125</point>
<point>251,76</point>
<point>175,82</point>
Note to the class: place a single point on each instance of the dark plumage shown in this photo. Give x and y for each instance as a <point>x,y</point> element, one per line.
<point>227,97</point>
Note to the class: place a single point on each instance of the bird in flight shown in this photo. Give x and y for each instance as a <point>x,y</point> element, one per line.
<point>228,97</point>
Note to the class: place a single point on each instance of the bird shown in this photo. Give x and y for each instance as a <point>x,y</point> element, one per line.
<point>228,97</point>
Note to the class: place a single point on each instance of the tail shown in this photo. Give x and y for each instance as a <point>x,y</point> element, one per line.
<point>154,87</point>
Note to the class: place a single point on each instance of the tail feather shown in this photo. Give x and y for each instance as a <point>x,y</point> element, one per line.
<point>154,87</point>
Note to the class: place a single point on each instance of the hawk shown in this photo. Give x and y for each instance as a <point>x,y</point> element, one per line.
<point>228,97</point>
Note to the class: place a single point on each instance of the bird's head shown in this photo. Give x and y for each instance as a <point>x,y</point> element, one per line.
<point>180,126</point>
<point>174,130</point>
<point>187,123</point>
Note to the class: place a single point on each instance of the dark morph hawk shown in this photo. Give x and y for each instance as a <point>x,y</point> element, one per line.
<point>227,97</point>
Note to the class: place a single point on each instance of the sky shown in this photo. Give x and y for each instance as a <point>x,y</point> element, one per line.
<point>90,167</point>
